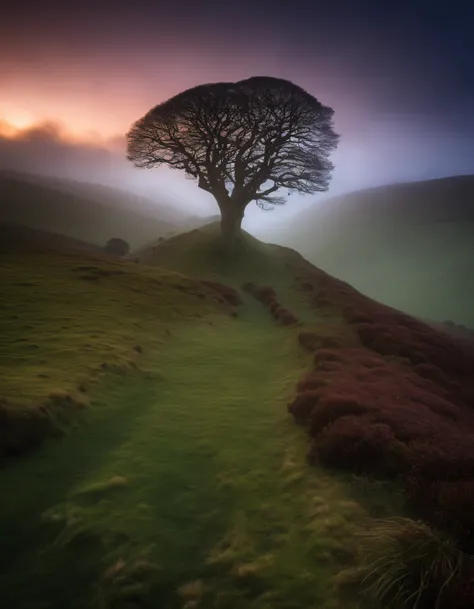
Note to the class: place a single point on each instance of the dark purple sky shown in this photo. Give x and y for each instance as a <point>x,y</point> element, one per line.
<point>400,77</point>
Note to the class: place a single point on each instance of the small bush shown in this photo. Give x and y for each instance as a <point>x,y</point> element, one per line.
<point>285,317</point>
<point>273,305</point>
<point>265,294</point>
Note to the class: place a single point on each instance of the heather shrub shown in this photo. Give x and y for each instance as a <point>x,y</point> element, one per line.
<point>309,340</point>
<point>229,294</point>
<point>277,311</point>
<point>303,404</point>
<point>265,294</point>
<point>432,372</point>
<point>447,456</point>
<point>331,342</point>
<point>273,305</point>
<point>327,366</point>
<point>333,407</point>
<point>329,355</point>
<point>285,317</point>
<point>311,381</point>
<point>359,444</point>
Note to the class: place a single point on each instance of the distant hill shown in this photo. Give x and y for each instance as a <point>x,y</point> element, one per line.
<point>17,237</point>
<point>408,245</point>
<point>89,212</point>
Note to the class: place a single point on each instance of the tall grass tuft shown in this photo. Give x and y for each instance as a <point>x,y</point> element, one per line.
<point>405,564</point>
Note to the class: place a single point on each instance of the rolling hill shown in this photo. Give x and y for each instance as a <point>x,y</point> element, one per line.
<point>89,212</point>
<point>178,477</point>
<point>408,245</point>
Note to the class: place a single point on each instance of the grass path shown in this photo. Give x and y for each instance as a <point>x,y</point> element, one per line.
<point>186,487</point>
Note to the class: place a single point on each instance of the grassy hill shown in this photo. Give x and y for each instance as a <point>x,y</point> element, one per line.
<point>16,236</point>
<point>88,212</point>
<point>408,245</point>
<point>179,479</point>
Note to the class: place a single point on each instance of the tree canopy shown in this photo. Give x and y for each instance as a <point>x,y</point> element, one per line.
<point>241,142</point>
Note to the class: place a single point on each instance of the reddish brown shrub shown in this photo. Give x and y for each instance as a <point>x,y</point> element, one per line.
<point>432,372</point>
<point>229,294</point>
<point>448,456</point>
<point>273,305</point>
<point>265,294</point>
<point>360,445</point>
<point>285,317</point>
<point>333,407</point>
<point>277,310</point>
<point>367,333</point>
<point>303,404</point>
<point>309,340</point>
<point>329,355</point>
<point>447,504</point>
<point>327,366</point>
<point>311,381</point>
<point>438,405</point>
<point>331,342</point>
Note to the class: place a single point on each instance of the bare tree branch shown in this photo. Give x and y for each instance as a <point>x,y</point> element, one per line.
<point>240,141</point>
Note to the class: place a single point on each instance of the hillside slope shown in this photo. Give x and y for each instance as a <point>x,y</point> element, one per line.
<point>87,212</point>
<point>408,245</point>
<point>184,482</point>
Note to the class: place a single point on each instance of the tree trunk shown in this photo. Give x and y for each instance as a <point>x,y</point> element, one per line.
<point>231,221</point>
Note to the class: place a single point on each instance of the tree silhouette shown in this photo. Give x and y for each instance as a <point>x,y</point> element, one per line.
<point>117,247</point>
<point>241,142</point>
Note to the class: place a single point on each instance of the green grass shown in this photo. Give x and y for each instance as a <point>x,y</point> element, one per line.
<point>185,484</point>
<point>63,316</point>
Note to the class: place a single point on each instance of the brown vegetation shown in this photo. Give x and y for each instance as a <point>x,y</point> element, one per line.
<point>268,297</point>
<point>399,404</point>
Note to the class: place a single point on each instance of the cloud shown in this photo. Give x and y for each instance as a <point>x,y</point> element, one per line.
<point>44,148</point>
<point>48,149</point>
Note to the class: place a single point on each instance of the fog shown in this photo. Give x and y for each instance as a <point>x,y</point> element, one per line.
<point>378,153</point>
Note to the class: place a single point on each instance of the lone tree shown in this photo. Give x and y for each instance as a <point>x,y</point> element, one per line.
<point>241,141</point>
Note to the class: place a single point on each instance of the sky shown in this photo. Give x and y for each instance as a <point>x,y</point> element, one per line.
<point>399,75</point>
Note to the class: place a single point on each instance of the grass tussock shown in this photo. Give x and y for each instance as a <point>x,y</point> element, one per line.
<point>406,564</point>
